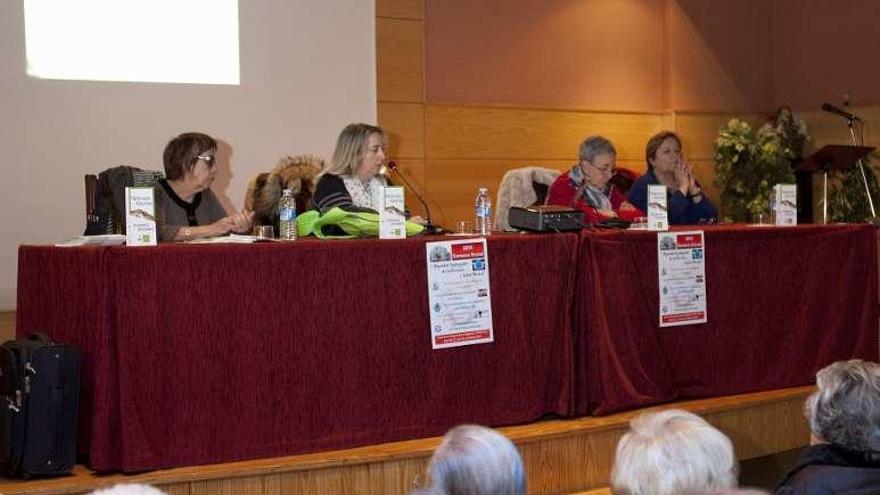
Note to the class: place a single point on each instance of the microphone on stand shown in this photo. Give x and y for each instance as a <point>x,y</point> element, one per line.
<point>392,166</point>
<point>828,107</point>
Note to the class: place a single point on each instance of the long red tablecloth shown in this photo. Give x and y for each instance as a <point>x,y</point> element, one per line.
<point>782,303</point>
<point>202,353</point>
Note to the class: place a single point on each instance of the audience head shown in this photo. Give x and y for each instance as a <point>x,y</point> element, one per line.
<point>672,452</point>
<point>845,409</point>
<point>185,152</point>
<point>475,460</point>
<point>663,151</point>
<point>129,489</point>
<point>360,151</point>
<point>597,157</point>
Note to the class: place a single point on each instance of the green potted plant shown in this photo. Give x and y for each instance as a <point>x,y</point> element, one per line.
<point>749,162</point>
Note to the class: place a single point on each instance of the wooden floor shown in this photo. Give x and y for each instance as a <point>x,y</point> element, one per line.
<point>561,456</point>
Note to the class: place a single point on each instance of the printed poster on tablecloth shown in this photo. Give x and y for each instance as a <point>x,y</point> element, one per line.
<point>459,301</point>
<point>681,263</point>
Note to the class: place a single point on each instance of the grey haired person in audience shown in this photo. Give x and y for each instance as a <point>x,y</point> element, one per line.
<point>844,417</point>
<point>129,489</point>
<point>475,460</point>
<point>673,452</point>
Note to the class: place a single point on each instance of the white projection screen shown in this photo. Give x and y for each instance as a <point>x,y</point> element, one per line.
<point>162,41</point>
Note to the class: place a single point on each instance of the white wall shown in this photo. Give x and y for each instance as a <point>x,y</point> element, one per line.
<point>307,69</point>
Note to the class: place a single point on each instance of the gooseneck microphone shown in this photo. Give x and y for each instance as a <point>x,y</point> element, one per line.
<point>392,166</point>
<point>828,107</point>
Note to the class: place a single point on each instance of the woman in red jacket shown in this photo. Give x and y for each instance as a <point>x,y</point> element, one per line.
<point>586,186</point>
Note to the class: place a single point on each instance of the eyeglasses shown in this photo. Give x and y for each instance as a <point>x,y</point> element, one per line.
<point>604,170</point>
<point>210,160</point>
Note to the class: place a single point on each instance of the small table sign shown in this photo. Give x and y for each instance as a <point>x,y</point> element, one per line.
<point>140,216</point>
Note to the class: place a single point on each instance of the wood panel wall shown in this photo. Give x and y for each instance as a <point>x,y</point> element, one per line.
<point>448,149</point>
<point>7,325</point>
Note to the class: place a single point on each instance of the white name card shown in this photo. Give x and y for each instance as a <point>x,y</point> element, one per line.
<point>783,203</point>
<point>658,210</point>
<point>392,216</point>
<point>140,216</point>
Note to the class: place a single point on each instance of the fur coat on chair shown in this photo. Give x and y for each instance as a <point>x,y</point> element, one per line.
<point>518,189</point>
<point>296,173</point>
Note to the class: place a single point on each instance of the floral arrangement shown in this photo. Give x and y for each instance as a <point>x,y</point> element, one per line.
<point>749,162</point>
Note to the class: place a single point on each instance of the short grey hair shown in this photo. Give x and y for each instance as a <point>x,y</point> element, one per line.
<point>594,146</point>
<point>475,460</point>
<point>845,410</point>
<point>129,489</point>
<point>672,452</point>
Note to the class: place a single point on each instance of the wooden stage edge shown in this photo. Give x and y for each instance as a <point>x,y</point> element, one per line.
<point>562,456</point>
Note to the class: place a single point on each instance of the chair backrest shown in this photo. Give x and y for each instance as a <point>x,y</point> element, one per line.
<point>524,186</point>
<point>105,197</point>
<point>294,172</point>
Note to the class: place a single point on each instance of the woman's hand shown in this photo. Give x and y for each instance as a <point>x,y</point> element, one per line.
<point>627,206</point>
<point>220,227</point>
<point>607,213</point>
<point>684,177</point>
<point>242,222</point>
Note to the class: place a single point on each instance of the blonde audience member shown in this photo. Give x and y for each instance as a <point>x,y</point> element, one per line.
<point>475,460</point>
<point>672,452</point>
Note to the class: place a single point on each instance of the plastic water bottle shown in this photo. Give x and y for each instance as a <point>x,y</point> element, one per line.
<point>287,216</point>
<point>483,206</point>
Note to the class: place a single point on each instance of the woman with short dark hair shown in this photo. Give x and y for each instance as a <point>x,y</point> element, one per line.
<point>186,208</point>
<point>685,200</point>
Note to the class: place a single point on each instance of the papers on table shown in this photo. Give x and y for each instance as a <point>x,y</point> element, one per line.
<point>228,239</point>
<point>458,293</point>
<point>94,240</point>
<point>681,263</point>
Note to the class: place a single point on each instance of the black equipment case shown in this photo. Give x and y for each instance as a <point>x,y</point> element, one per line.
<point>39,399</point>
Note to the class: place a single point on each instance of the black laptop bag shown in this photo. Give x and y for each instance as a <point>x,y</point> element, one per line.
<point>39,398</point>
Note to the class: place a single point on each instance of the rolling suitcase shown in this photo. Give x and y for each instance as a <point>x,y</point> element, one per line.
<point>39,398</point>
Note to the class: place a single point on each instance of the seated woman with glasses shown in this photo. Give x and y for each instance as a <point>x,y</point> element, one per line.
<point>685,200</point>
<point>186,208</point>
<point>586,186</point>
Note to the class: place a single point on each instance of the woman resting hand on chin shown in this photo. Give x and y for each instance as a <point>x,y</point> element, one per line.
<point>186,208</point>
<point>685,200</point>
<point>586,185</point>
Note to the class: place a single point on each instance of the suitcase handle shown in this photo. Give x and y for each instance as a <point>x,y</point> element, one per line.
<point>39,336</point>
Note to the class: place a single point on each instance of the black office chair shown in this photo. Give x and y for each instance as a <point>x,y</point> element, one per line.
<point>105,197</point>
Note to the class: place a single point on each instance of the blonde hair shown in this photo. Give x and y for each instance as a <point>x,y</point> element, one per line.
<point>350,148</point>
<point>672,452</point>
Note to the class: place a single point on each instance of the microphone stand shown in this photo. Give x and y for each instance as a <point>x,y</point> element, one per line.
<point>429,227</point>
<point>852,132</point>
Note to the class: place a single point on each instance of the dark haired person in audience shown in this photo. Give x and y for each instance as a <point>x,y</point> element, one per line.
<point>844,417</point>
<point>186,208</point>
<point>586,186</point>
<point>475,460</point>
<point>672,452</point>
<point>685,200</point>
<point>352,180</point>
